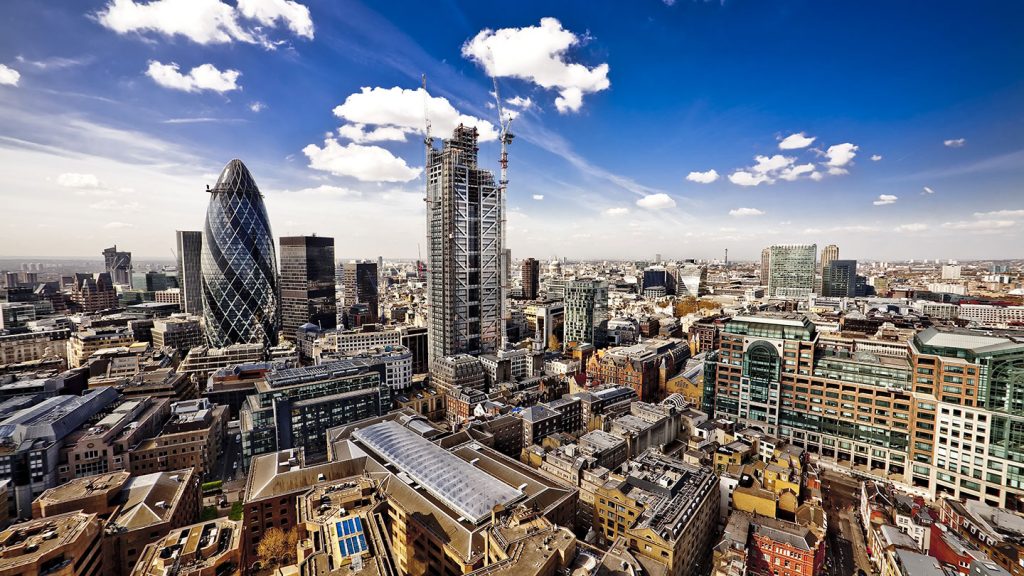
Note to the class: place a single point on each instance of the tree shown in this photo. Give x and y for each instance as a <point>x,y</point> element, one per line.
<point>277,547</point>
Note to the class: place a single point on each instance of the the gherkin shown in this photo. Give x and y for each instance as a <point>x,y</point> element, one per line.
<point>239,265</point>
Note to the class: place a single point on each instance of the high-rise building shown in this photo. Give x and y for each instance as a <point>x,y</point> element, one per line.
<point>692,280</point>
<point>828,254</point>
<point>531,278</point>
<point>766,259</point>
<point>239,263</point>
<point>307,283</point>
<point>840,279</point>
<point>586,312</point>
<point>190,270</point>
<point>791,270</point>
<point>464,214</point>
<point>360,279</point>
<point>119,265</point>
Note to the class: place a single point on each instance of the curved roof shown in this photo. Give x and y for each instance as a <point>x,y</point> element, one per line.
<point>235,177</point>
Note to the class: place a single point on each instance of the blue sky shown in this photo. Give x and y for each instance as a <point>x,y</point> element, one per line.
<point>895,130</point>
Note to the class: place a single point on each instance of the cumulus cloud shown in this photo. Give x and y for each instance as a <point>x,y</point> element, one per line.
<point>9,76</point>
<point>520,102</point>
<point>885,199</point>
<point>397,110</point>
<point>744,178</point>
<point>769,164</point>
<point>616,211</point>
<point>876,157</point>
<point>841,155</point>
<point>912,227</point>
<point>978,225</point>
<point>257,106</point>
<point>796,141</point>
<point>78,181</point>
<point>1000,214</point>
<point>744,212</point>
<point>927,190</point>
<point>365,163</point>
<point>202,77</point>
<point>208,21</point>
<point>955,142</point>
<point>358,133</point>
<point>538,196</point>
<point>703,177</point>
<point>538,54</point>
<point>657,201</point>
<point>795,172</point>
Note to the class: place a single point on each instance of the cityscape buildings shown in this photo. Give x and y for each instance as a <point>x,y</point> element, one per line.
<point>531,278</point>
<point>190,270</point>
<point>586,312</point>
<point>240,287</point>
<point>360,280</point>
<point>791,270</point>
<point>118,265</point>
<point>307,284</point>
<point>829,254</point>
<point>839,278</point>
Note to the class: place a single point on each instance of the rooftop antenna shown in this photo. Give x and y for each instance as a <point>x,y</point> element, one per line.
<point>505,136</point>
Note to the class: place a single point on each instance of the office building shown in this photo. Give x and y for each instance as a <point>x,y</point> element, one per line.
<point>839,278</point>
<point>464,216</point>
<point>307,284</point>
<point>34,548</point>
<point>791,270</point>
<point>194,437</point>
<point>182,333</point>
<point>240,290</point>
<point>93,292</point>
<point>644,367</point>
<point>828,254</point>
<point>190,270</point>
<point>766,259</point>
<point>341,342</point>
<point>360,280</point>
<point>213,547</point>
<point>586,312</point>
<point>118,265</point>
<point>692,280</point>
<point>658,282</point>
<point>531,278</point>
<point>202,361</point>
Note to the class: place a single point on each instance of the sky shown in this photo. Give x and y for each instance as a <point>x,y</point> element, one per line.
<point>893,129</point>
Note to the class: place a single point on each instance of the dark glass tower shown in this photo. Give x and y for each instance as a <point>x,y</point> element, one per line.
<point>361,287</point>
<point>190,272</point>
<point>307,283</point>
<point>239,263</point>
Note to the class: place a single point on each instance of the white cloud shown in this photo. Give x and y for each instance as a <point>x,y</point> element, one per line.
<point>743,178</point>
<point>118,225</point>
<point>978,225</point>
<point>767,165</point>
<point>327,190</point>
<point>520,102</point>
<point>837,171</point>
<point>9,76</point>
<point>912,227</point>
<point>841,154</point>
<point>538,196</point>
<point>657,201</point>
<point>955,142</point>
<point>795,172</point>
<point>538,54</point>
<point>202,77</point>
<point>207,21</point>
<point>358,134</point>
<point>55,62</point>
<point>616,211</point>
<point>269,12</point>
<point>928,190</point>
<point>795,141</point>
<point>744,212</point>
<point>876,157</point>
<point>703,177</point>
<point>365,163</point>
<point>257,106</point>
<point>78,181</point>
<point>885,199</point>
<point>1000,214</point>
<point>402,110</point>
<point>817,176</point>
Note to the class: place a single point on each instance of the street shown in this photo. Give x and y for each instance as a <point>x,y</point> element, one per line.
<point>847,551</point>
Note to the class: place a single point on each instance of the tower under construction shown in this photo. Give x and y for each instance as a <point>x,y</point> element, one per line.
<point>464,272</point>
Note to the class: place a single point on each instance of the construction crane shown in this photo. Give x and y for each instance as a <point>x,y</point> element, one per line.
<point>428,141</point>
<point>505,137</point>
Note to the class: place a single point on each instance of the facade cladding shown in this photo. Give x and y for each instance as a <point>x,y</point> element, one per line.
<point>586,312</point>
<point>791,270</point>
<point>531,278</point>
<point>840,278</point>
<point>307,283</point>
<point>119,265</point>
<point>190,270</point>
<point>464,212</point>
<point>360,280</point>
<point>239,263</point>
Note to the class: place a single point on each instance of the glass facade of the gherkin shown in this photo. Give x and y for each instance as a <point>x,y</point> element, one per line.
<point>239,265</point>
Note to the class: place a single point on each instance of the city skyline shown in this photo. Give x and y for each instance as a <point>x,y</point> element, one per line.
<point>891,137</point>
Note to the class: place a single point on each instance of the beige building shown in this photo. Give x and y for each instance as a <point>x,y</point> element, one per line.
<point>193,437</point>
<point>85,343</point>
<point>205,549</point>
<point>64,545</point>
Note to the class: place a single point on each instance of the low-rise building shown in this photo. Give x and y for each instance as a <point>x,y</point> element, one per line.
<point>205,549</point>
<point>65,545</point>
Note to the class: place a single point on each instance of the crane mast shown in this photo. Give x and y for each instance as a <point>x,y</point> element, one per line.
<point>505,136</point>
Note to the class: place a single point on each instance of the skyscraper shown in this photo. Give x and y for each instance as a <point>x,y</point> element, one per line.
<point>791,270</point>
<point>531,278</point>
<point>828,254</point>
<point>239,263</point>
<point>464,214</point>
<point>119,265</point>
<point>586,312</point>
<point>190,270</point>
<point>840,279</point>
<point>307,283</point>
<point>766,267</point>
<point>360,280</point>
